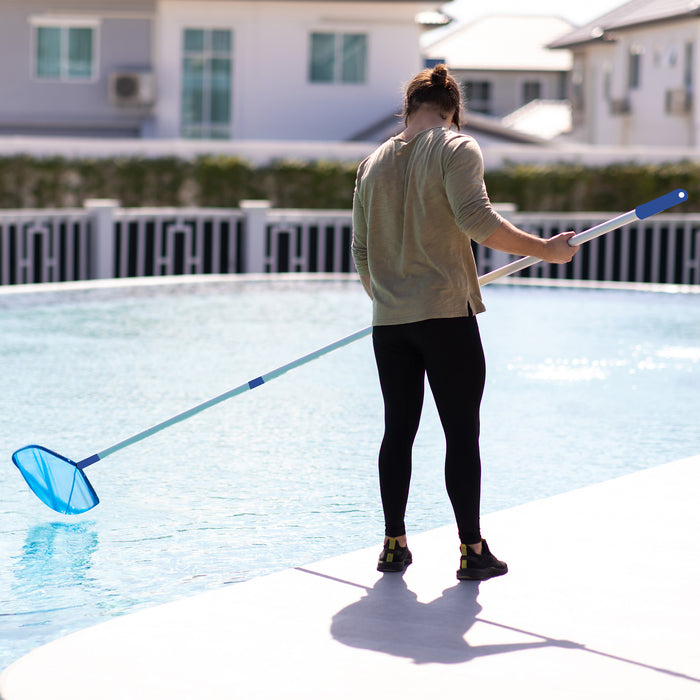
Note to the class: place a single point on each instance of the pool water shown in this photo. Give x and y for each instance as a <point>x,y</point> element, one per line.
<point>583,385</point>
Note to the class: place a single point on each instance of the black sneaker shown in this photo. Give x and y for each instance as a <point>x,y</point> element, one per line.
<point>478,567</point>
<point>394,557</point>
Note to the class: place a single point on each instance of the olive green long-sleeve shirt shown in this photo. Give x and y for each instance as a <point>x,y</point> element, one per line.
<point>416,208</point>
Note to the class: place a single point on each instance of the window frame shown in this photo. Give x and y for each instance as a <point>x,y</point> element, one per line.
<point>689,52</point>
<point>528,88</point>
<point>635,56</point>
<point>340,48</point>
<point>64,25</point>
<point>478,95</point>
<point>208,129</point>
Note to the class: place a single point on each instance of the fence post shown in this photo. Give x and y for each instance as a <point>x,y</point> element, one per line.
<point>101,213</point>
<point>255,213</point>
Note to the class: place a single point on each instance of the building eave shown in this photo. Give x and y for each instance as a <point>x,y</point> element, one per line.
<point>600,32</point>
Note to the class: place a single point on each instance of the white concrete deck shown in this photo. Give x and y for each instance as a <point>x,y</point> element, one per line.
<point>602,601</point>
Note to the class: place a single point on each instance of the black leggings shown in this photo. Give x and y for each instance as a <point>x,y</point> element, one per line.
<point>449,351</point>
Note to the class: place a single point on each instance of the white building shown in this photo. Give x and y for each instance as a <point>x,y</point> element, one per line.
<point>635,73</point>
<point>193,69</point>
<point>503,62</point>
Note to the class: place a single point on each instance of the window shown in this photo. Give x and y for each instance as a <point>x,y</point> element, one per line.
<point>607,82</point>
<point>478,94</point>
<point>65,50</point>
<point>338,58</point>
<point>688,62</point>
<point>635,68</point>
<point>532,90</point>
<point>578,88</point>
<point>206,84</point>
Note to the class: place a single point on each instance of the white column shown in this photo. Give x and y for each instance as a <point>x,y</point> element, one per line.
<point>255,212</point>
<point>102,238</point>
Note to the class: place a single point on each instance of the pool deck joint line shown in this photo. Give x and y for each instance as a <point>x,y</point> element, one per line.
<point>600,602</point>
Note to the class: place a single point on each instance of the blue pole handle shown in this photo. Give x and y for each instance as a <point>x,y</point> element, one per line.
<point>656,206</point>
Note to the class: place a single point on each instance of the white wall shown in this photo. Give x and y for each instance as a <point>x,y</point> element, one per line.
<point>507,86</point>
<point>647,123</point>
<point>31,105</point>
<point>272,97</point>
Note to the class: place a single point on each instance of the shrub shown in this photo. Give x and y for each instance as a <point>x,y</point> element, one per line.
<point>223,181</point>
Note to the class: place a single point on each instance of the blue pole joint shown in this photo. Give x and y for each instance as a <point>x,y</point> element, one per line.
<point>255,382</point>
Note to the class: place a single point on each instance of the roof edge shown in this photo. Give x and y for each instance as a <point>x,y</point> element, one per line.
<point>601,32</point>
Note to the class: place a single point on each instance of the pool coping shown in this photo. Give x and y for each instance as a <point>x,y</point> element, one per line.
<point>173,281</point>
<point>277,277</point>
<point>600,601</point>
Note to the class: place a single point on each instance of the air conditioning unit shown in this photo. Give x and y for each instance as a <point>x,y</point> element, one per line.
<point>678,102</point>
<point>620,106</point>
<point>132,88</point>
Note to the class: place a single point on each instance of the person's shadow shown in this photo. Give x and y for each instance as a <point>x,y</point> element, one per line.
<point>389,619</point>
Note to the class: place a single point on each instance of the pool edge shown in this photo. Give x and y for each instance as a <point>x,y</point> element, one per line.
<point>588,606</point>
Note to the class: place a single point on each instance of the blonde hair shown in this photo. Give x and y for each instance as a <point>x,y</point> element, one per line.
<point>434,86</point>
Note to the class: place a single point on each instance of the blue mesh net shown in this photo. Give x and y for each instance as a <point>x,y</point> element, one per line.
<point>55,480</point>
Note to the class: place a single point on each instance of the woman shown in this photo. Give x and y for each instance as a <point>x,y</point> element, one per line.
<point>419,201</point>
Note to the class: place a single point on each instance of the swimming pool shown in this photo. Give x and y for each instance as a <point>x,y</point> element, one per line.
<point>582,385</point>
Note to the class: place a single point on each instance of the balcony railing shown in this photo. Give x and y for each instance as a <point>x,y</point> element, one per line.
<point>104,240</point>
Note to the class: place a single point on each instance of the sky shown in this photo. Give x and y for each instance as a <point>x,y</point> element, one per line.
<point>577,12</point>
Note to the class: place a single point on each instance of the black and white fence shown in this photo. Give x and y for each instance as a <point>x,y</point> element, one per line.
<point>104,240</point>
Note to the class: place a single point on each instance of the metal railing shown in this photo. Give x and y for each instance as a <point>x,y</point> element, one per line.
<point>39,246</point>
<point>664,249</point>
<point>104,240</point>
<point>308,241</point>
<point>155,242</point>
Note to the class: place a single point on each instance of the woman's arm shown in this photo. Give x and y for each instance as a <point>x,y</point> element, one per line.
<point>366,284</point>
<point>510,239</point>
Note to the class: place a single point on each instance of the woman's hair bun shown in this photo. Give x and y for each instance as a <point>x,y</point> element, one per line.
<point>438,76</point>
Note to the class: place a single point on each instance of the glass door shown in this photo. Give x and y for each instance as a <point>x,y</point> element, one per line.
<point>206,84</point>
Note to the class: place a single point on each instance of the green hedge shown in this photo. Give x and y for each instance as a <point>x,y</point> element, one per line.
<point>223,181</point>
<point>611,188</point>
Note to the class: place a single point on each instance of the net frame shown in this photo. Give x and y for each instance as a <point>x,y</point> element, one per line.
<point>56,480</point>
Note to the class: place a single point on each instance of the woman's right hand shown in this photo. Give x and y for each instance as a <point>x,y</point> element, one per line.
<point>559,250</point>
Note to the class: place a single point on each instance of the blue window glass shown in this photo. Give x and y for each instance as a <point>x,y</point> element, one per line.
<point>65,53</point>
<point>338,58</point>
<point>206,84</point>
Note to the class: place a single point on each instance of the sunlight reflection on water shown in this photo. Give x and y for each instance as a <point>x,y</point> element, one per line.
<point>582,386</point>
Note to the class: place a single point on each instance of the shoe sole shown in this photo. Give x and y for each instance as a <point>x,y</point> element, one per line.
<point>479,574</point>
<point>393,567</point>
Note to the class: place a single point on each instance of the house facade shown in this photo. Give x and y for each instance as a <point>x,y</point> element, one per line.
<point>57,65</point>
<point>635,75</point>
<point>206,69</point>
<point>503,62</point>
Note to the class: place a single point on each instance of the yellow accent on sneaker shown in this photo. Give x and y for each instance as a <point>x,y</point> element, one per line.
<point>392,546</point>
